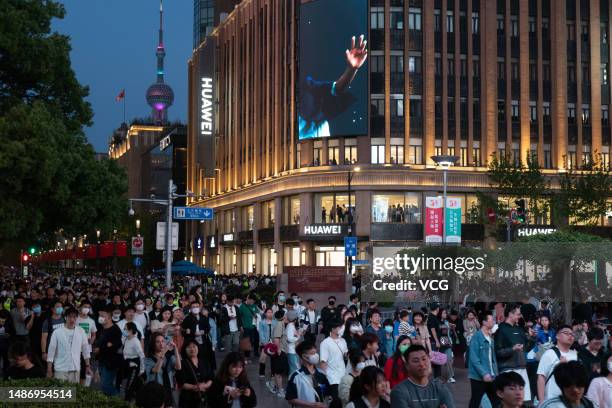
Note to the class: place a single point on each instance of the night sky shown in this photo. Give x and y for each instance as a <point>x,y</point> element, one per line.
<point>113,47</point>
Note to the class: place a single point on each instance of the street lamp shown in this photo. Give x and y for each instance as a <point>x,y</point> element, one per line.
<point>98,252</point>
<point>444,161</point>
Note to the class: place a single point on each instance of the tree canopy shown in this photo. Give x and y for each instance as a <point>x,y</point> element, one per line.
<point>50,180</point>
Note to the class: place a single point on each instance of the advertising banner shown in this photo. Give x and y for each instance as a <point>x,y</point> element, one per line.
<point>433,220</point>
<point>332,94</point>
<point>206,114</point>
<point>316,278</point>
<point>453,220</point>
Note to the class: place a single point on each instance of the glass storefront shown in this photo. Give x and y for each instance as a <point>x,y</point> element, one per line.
<point>267,214</point>
<point>248,260</point>
<point>397,207</point>
<point>291,210</point>
<point>268,261</point>
<point>333,207</point>
<point>248,217</point>
<point>292,256</point>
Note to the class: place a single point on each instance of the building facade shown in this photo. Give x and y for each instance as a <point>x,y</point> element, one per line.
<point>469,78</point>
<point>207,14</point>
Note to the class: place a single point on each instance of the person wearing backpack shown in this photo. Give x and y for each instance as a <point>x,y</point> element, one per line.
<point>561,353</point>
<point>572,378</point>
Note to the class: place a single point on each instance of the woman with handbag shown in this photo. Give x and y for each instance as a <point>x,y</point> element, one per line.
<point>265,328</point>
<point>194,378</point>
<point>231,387</point>
<point>446,343</point>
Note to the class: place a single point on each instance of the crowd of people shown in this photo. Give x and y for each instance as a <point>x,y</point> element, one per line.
<point>132,337</point>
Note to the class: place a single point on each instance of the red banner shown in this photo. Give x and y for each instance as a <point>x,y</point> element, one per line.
<point>316,278</point>
<point>433,220</point>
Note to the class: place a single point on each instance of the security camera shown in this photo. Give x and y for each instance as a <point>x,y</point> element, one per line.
<point>131,212</point>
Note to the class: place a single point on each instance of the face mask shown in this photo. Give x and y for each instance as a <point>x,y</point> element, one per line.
<point>281,298</point>
<point>116,318</point>
<point>59,310</point>
<point>389,329</point>
<point>313,359</point>
<point>610,366</point>
<point>332,302</point>
<point>36,309</point>
<point>360,366</point>
<point>156,293</point>
<point>355,329</point>
<point>85,310</point>
<point>403,348</point>
<point>101,320</point>
<point>139,307</point>
<point>195,310</point>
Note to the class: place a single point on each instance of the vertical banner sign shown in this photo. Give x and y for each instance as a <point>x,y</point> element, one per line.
<point>206,114</point>
<point>453,220</point>
<point>433,220</point>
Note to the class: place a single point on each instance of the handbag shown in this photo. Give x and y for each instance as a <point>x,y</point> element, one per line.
<point>437,358</point>
<point>245,344</point>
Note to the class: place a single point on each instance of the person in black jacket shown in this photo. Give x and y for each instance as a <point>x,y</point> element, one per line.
<point>232,385</point>
<point>194,378</point>
<point>231,326</point>
<point>26,364</point>
<point>106,348</point>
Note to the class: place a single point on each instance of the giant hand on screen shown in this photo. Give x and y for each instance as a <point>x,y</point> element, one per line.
<point>357,55</point>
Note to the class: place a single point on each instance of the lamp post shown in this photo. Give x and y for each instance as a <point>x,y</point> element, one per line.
<point>98,252</point>
<point>114,251</point>
<point>169,204</point>
<point>138,227</point>
<point>444,161</point>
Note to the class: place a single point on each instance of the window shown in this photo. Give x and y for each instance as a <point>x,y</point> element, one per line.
<point>604,116</point>
<point>571,73</point>
<point>476,69</point>
<point>377,63</point>
<point>437,21</point>
<point>397,108</point>
<point>547,158</point>
<point>248,220</point>
<point>378,107</point>
<point>463,68</point>
<point>586,73</point>
<point>515,71</point>
<point>415,154</point>
<point>533,112</point>
<point>451,66</point>
<point>377,20</point>
<point>397,20</point>
<point>414,64</point>
<point>333,155</point>
<point>350,154</point>
<point>450,22</point>
<point>500,24</point>
<point>533,71</point>
<point>571,32</point>
<point>546,112</point>
<point>546,71</point>
<point>515,111</point>
<point>571,114</point>
<point>501,70</point>
<point>397,207</point>
<point>532,25</point>
<point>414,19</point>
<point>514,27</point>
<point>268,214</point>
<point>586,115</point>
<point>316,156</point>
<point>475,23</point>
<point>378,154</point>
<point>298,156</point>
<point>438,63</point>
<point>333,207</point>
<point>501,111</point>
<point>476,157</point>
<point>604,74</point>
<point>397,154</point>
<point>397,63</point>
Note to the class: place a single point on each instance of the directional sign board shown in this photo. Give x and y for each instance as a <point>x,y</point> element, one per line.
<point>350,246</point>
<point>361,262</point>
<point>160,241</point>
<point>193,213</point>
<point>137,262</point>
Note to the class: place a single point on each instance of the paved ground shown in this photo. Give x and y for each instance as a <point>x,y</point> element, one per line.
<point>460,390</point>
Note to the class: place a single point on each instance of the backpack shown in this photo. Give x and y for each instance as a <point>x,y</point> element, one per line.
<point>558,353</point>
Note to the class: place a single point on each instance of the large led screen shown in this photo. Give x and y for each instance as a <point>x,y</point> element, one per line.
<point>333,73</point>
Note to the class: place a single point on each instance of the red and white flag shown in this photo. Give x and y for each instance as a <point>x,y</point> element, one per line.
<point>120,96</point>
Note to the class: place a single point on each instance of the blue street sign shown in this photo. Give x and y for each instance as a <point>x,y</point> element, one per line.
<point>350,246</point>
<point>361,262</point>
<point>193,213</point>
<point>137,261</point>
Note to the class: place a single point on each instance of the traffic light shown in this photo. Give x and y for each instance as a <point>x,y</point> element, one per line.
<point>32,251</point>
<point>25,257</point>
<point>520,210</point>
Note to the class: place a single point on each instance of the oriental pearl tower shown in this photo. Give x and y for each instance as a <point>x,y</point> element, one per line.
<point>160,95</point>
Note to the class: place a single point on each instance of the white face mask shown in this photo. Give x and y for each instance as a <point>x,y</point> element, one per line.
<point>195,310</point>
<point>360,366</point>
<point>610,366</point>
<point>313,359</point>
<point>101,320</point>
<point>140,307</point>
<point>85,310</point>
<point>116,318</point>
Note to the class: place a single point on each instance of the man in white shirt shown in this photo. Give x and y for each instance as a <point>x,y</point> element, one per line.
<point>67,345</point>
<point>129,317</point>
<point>309,317</point>
<point>89,327</point>
<point>561,353</point>
<point>333,354</point>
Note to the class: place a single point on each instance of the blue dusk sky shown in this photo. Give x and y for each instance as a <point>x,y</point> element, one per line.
<point>113,47</point>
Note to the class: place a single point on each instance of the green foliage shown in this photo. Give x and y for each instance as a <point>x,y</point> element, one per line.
<point>516,179</point>
<point>85,396</point>
<point>50,178</point>
<point>583,194</point>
